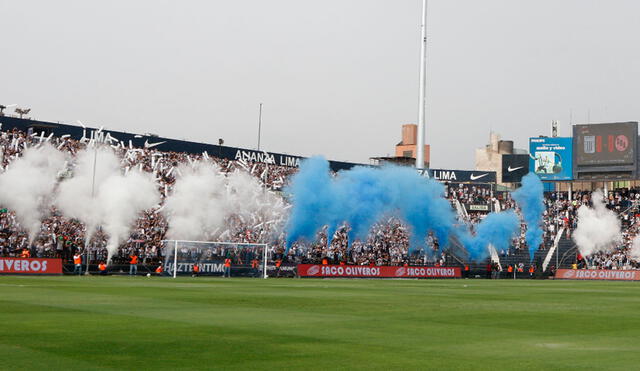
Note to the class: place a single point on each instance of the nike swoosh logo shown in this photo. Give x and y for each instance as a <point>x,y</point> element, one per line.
<point>476,177</point>
<point>514,168</point>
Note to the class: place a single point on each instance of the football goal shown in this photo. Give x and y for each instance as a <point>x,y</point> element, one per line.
<point>205,258</point>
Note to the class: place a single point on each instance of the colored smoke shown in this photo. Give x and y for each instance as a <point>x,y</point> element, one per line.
<point>204,203</point>
<point>530,199</point>
<point>496,229</point>
<point>114,203</point>
<point>29,182</point>
<point>598,227</point>
<point>362,196</point>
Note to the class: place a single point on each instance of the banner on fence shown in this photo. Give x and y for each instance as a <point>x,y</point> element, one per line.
<point>30,266</point>
<point>597,274</point>
<point>360,271</point>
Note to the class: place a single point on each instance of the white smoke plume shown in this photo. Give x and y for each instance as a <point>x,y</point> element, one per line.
<point>194,209</point>
<point>27,185</point>
<point>113,203</point>
<point>205,203</point>
<point>598,227</point>
<point>635,249</point>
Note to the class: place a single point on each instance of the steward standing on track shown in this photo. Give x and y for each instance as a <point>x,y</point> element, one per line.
<point>278,264</point>
<point>159,270</point>
<point>254,267</point>
<point>195,270</point>
<point>532,269</point>
<point>227,267</point>
<point>77,263</point>
<point>133,264</point>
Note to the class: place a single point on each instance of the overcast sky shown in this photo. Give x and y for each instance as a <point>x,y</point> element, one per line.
<point>337,77</point>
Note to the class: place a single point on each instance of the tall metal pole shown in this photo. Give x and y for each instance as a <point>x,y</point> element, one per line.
<point>423,87</point>
<point>259,124</point>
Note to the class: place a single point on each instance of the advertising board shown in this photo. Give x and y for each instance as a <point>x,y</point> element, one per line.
<point>514,167</point>
<point>30,266</point>
<point>551,158</point>
<point>597,274</point>
<point>362,271</point>
<point>463,176</point>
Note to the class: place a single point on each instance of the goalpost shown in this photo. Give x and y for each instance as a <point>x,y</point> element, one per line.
<point>180,256</point>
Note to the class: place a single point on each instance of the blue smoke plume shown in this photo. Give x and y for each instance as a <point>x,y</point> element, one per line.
<point>497,229</point>
<point>530,200</point>
<point>311,193</point>
<point>362,196</point>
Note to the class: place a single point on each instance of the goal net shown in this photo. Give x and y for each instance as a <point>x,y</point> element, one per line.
<point>204,258</point>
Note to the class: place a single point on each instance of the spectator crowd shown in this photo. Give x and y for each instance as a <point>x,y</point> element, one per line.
<point>386,244</point>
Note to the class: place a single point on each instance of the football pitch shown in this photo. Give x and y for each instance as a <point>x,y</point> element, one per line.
<point>155,323</point>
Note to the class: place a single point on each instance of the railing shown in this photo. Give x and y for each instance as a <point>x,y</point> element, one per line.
<point>553,249</point>
<point>494,255</point>
<point>462,212</point>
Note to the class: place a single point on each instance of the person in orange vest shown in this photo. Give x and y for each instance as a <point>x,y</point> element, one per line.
<point>466,270</point>
<point>255,265</point>
<point>25,253</point>
<point>133,264</point>
<point>227,268</point>
<point>102,267</point>
<point>195,270</point>
<point>278,264</point>
<point>532,269</point>
<point>325,261</point>
<point>510,268</point>
<point>77,263</point>
<point>159,270</point>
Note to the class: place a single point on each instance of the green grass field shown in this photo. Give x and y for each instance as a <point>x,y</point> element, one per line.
<point>248,324</point>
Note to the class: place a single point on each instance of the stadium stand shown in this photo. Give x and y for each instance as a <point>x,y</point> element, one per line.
<point>387,244</point>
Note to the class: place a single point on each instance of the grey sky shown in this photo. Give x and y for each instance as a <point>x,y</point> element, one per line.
<point>337,77</point>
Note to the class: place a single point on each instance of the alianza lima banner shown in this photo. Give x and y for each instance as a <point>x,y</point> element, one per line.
<point>597,274</point>
<point>364,271</point>
<point>30,266</point>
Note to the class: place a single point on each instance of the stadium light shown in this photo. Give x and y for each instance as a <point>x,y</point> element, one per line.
<point>423,82</point>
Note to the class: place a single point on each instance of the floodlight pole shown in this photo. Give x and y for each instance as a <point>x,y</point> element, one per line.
<point>423,82</point>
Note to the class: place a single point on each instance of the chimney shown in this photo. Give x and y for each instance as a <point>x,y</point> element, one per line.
<point>409,134</point>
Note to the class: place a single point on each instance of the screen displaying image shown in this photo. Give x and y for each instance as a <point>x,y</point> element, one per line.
<point>548,163</point>
<point>551,158</point>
